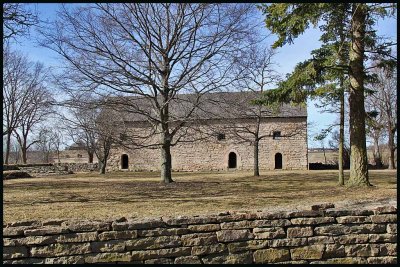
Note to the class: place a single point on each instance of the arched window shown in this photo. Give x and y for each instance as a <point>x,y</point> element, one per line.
<point>124,161</point>
<point>278,161</point>
<point>232,161</point>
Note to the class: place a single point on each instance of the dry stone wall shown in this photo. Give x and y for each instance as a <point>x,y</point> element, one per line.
<point>314,236</point>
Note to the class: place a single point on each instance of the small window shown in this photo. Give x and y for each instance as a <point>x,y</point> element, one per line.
<point>221,136</point>
<point>79,156</point>
<point>276,135</point>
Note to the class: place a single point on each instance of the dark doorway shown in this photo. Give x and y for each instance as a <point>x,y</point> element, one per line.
<point>278,161</point>
<point>124,161</point>
<point>232,160</point>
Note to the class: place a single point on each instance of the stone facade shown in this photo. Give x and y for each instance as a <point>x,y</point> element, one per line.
<point>213,154</point>
<point>312,236</point>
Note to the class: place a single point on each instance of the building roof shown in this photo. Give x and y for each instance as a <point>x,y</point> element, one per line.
<point>220,105</point>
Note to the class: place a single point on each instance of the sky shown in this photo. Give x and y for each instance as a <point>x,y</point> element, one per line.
<point>287,57</point>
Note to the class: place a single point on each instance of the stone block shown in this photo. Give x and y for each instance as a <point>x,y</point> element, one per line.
<point>108,257</point>
<point>161,253</point>
<point>361,250</point>
<point>214,259</point>
<point>305,213</point>
<point>287,242</point>
<point>242,258</point>
<point>24,223</point>
<point>318,240</point>
<point>334,251</point>
<point>332,230</point>
<point>247,245</point>
<point>112,235</point>
<point>271,255</point>
<point>14,252</point>
<point>382,260</point>
<point>162,231</point>
<point>234,235</point>
<point>159,261</point>
<point>384,218</point>
<point>13,231</point>
<point>86,226</point>
<point>138,224</point>
<point>313,252</point>
<point>299,232</point>
<point>386,209</point>
<point>272,215</point>
<point>387,249</point>
<point>24,261</point>
<point>204,228</point>
<point>199,239</point>
<point>46,231</point>
<point>187,260</point>
<point>271,223</point>
<point>367,229</point>
<point>30,240</point>
<point>312,221</point>
<point>391,228</point>
<point>108,246</point>
<point>209,249</point>
<point>353,219</point>
<point>269,233</point>
<point>65,260</point>
<point>347,260</point>
<point>153,242</point>
<point>60,250</point>
<point>339,213</point>
<point>383,238</point>
<point>53,222</point>
<point>236,225</point>
<point>77,237</point>
<point>352,239</point>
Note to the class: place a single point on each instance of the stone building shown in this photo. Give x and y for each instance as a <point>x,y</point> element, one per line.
<point>220,147</point>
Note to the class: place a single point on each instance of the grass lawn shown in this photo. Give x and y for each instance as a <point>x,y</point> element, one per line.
<point>140,194</point>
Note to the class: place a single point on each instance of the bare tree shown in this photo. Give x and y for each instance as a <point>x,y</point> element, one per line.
<point>154,52</point>
<point>57,141</point>
<point>78,124</point>
<point>36,108</point>
<point>21,81</point>
<point>17,19</point>
<point>44,144</point>
<point>383,105</point>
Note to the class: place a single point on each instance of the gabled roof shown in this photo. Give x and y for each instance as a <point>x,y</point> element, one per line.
<point>219,105</point>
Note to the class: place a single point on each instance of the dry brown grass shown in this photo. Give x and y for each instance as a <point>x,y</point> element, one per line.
<point>141,194</point>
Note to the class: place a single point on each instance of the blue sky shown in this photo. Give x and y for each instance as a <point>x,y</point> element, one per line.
<point>287,57</point>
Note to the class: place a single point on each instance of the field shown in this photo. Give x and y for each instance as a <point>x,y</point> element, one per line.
<point>142,194</point>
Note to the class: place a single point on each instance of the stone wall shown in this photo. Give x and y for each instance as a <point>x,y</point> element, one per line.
<point>313,236</point>
<point>38,170</point>
<point>212,154</point>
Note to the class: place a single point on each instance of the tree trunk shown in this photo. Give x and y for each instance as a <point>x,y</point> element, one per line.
<point>166,160</point>
<point>323,150</point>
<point>256,167</point>
<point>24,155</point>
<point>91,155</point>
<point>377,153</point>
<point>103,165</point>
<point>391,148</point>
<point>358,156</point>
<point>7,148</point>
<point>341,135</point>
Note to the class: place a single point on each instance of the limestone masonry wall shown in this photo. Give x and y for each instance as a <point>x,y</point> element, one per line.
<point>314,236</point>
